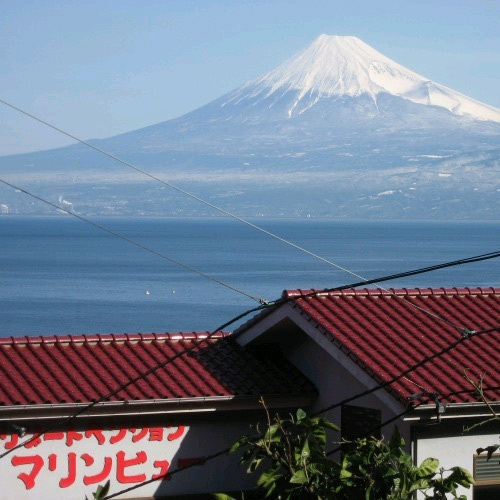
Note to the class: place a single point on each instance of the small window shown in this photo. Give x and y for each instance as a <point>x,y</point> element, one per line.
<point>487,477</point>
<point>359,422</point>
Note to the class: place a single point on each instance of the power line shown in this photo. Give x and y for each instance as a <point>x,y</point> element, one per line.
<point>412,407</point>
<point>281,301</point>
<point>257,299</point>
<point>211,205</point>
<point>139,245</point>
<point>220,282</point>
<point>225,451</point>
<point>466,335</point>
<point>422,270</point>
<point>132,381</point>
<point>182,191</point>
<point>465,332</point>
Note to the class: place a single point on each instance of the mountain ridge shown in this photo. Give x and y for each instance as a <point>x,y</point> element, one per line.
<point>345,65</point>
<point>299,131</point>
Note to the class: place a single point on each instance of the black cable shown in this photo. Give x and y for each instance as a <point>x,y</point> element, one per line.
<point>128,383</point>
<point>215,207</point>
<point>412,407</point>
<point>466,335</point>
<point>315,293</point>
<point>257,299</point>
<point>228,323</point>
<point>206,459</point>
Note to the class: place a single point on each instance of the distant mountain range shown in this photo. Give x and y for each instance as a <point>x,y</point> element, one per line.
<point>338,130</point>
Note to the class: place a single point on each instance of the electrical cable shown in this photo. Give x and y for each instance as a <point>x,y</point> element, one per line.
<point>142,375</point>
<point>478,258</point>
<point>466,335</point>
<point>178,189</point>
<point>208,458</point>
<point>199,199</point>
<point>469,334</point>
<point>411,408</point>
<point>380,426</point>
<point>211,205</point>
<point>228,323</point>
<point>256,299</point>
<point>139,245</point>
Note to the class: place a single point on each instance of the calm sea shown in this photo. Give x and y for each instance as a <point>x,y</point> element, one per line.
<point>61,276</point>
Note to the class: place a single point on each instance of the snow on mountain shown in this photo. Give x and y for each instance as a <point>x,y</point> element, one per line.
<point>347,66</point>
<point>337,130</point>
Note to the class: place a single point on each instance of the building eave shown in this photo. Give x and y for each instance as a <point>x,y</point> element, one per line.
<point>110,409</point>
<point>427,413</point>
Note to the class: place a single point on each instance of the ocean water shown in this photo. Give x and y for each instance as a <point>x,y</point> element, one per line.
<point>59,275</point>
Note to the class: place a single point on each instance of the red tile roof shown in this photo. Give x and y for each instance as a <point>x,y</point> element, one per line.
<point>385,334</point>
<point>74,369</point>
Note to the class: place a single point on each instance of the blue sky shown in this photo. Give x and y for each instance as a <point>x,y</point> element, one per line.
<point>99,68</point>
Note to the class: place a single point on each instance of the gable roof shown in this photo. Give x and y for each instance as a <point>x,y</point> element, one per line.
<point>387,332</point>
<point>80,369</point>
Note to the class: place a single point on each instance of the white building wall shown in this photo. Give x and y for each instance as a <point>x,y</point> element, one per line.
<point>335,383</point>
<point>456,450</point>
<point>71,464</point>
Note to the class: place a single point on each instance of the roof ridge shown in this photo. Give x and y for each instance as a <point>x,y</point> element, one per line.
<point>395,291</point>
<point>108,337</point>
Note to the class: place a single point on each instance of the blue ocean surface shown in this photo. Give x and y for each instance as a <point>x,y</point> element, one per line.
<point>59,275</point>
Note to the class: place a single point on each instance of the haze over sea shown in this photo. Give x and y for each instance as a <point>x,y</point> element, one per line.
<point>62,276</point>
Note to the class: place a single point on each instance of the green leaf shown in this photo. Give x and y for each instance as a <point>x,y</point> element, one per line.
<point>254,464</point>
<point>368,492</point>
<point>268,478</point>
<point>238,443</point>
<point>320,436</point>
<point>222,496</point>
<point>306,451</point>
<point>344,473</point>
<point>271,432</point>
<point>421,484</point>
<point>299,477</point>
<point>101,491</point>
<point>396,440</point>
<point>301,414</point>
<point>461,476</point>
<point>428,467</point>
<point>329,425</point>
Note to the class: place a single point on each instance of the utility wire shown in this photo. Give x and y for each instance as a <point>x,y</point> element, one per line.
<point>281,301</point>
<point>364,281</point>
<point>422,270</point>
<point>139,245</point>
<point>225,451</point>
<point>178,189</point>
<point>132,381</point>
<point>211,205</point>
<point>412,407</point>
<point>204,460</point>
<point>466,335</point>
<point>183,191</point>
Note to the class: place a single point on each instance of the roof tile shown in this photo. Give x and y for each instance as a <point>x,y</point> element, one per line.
<point>83,368</point>
<point>386,332</point>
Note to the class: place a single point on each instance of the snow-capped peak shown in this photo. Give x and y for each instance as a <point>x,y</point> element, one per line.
<point>345,65</point>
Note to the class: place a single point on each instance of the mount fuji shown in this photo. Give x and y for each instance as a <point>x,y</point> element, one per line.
<point>338,130</point>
